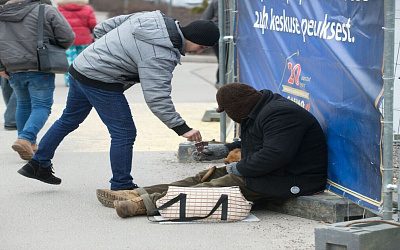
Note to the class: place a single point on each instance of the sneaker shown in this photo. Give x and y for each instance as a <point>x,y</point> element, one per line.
<point>34,171</point>
<point>107,197</point>
<point>23,148</point>
<point>130,208</point>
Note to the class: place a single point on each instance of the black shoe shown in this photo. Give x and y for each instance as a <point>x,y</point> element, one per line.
<point>10,127</point>
<point>34,171</point>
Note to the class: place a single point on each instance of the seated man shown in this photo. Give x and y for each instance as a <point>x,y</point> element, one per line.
<point>284,154</point>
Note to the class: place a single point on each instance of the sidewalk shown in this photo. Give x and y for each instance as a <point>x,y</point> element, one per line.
<point>34,215</point>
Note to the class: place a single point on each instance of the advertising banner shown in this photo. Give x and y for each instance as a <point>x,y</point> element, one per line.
<point>326,56</point>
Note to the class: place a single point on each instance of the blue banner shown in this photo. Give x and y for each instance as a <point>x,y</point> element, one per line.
<point>326,56</point>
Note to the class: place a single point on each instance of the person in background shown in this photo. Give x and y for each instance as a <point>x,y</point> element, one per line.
<point>142,47</point>
<point>18,63</point>
<point>81,17</point>
<point>211,13</point>
<point>284,154</point>
<point>11,105</point>
<point>9,99</point>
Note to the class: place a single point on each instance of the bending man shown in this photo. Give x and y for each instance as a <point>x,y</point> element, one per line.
<point>143,47</point>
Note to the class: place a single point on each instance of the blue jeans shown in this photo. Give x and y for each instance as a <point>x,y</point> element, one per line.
<point>115,113</point>
<point>34,92</point>
<point>11,103</point>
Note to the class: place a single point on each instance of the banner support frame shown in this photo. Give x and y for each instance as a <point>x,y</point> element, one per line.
<point>388,84</point>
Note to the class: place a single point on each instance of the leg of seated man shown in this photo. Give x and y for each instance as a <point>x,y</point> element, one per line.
<point>187,182</point>
<point>107,197</point>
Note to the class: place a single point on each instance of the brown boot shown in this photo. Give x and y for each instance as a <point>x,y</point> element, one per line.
<point>23,148</point>
<point>130,208</point>
<point>107,197</point>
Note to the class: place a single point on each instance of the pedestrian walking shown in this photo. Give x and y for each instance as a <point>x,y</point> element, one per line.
<point>11,105</point>
<point>142,47</point>
<point>18,62</point>
<point>9,99</point>
<point>211,13</point>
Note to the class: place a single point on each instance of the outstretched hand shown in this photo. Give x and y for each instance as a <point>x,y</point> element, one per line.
<point>193,135</point>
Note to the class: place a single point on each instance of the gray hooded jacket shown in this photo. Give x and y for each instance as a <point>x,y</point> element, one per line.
<point>135,48</point>
<point>18,34</point>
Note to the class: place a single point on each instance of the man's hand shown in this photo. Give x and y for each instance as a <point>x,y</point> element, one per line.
<point>231,169</point>
<point>211,152</point>
<point>4,74</point>
<point>193,135</point>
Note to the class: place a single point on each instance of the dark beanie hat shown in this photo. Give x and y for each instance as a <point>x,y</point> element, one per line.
<point>202,32</point>
<point>237,100</point>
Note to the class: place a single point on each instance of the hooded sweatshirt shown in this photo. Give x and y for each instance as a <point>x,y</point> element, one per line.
<point>18,34</point>
<point>135,48</point>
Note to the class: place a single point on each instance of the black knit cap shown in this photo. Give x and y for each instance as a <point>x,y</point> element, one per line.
<point>237,100</point>
<point>202,32</point>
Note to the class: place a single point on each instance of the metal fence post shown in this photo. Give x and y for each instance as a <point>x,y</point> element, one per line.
<point>222,62</point>
<point>388,81</point>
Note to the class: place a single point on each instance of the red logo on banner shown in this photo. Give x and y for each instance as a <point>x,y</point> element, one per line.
<point>295,72</point>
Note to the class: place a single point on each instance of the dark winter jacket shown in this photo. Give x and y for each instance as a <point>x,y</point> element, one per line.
<point>284,151</point>
<point>82,20</point>
<point>18,34</point>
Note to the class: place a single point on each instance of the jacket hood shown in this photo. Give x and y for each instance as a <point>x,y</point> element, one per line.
<point>149,32</point>
<point>15,12</point>
<point>71,6</point>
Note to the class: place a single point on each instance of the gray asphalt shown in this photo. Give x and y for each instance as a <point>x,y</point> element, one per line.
<point>34,215</point>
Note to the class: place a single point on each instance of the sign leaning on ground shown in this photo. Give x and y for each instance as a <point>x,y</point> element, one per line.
<point>326,56</point>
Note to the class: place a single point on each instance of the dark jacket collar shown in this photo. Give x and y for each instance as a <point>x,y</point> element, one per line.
<point>267,96</point>
<point>173,33</point>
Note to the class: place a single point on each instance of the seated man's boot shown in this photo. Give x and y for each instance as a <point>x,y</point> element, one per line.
<point>130,207</point>
<point>34,171</point>
<point>107,197</point>
<point>23,148</point>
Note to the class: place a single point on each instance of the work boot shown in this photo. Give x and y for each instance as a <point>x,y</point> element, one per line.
<point>34,171</point>
<point>107,197</point>
<point>130,207</point>
<point>23,148</point>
